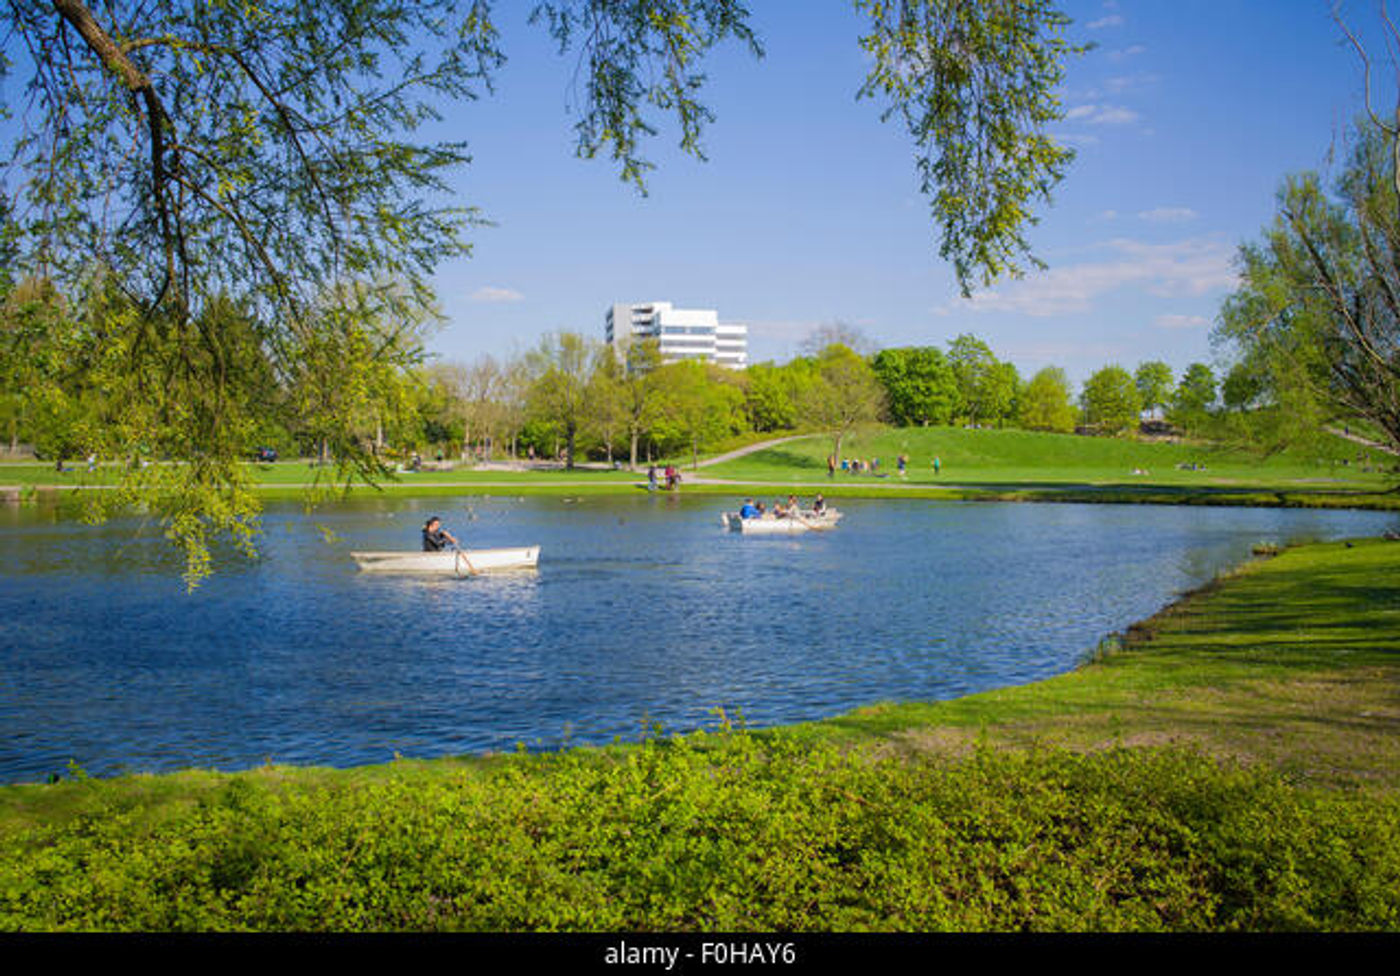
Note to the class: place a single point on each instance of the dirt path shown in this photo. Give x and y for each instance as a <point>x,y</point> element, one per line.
<point>760,446</point>
<point>1357,438</point>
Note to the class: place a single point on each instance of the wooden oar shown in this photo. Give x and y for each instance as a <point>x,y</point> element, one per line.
<point>462,557</point>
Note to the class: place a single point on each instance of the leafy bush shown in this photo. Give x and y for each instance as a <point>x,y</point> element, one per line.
<point>727,832</point>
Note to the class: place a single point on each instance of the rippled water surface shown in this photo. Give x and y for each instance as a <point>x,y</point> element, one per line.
<point>643,609</point>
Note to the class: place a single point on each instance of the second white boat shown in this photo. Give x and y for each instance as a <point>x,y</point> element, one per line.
<point>787,525</point>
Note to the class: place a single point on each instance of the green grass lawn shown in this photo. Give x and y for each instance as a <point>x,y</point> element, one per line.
<point>1010,465</point>
<point>1292,662</point>
<point>1028,459</point>
<point>996,461</point>
<point>1230,765</point>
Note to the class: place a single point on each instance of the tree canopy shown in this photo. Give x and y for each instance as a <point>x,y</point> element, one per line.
<point>1154,384</point>
<point>919,383</point>
<point>1110,400</point>
<point>1194,397</point>
<point>184,143</point>
<point>844,393</point>
<point>1045,404</point>
<point>975,86</point>
<point>987,387</point>
<point>1316,320</point>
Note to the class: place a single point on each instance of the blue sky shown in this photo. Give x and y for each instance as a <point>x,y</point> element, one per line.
<point>1186,118</point>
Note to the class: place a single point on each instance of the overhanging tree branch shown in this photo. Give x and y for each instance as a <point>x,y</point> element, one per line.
<point>158,124</point>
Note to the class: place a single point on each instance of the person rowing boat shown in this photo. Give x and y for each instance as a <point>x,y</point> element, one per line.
<point>435,537</point>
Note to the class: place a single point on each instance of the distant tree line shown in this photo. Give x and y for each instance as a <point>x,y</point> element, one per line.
<point>64,390</point>
<point>968,385</point>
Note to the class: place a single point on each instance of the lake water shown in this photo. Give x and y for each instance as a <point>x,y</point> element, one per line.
<point>643,610</point>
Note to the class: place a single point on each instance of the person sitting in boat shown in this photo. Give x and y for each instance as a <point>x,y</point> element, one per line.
<point>435,537</point>
<point>749,510</point>
<point>793,509</point>
<point>819,504</point>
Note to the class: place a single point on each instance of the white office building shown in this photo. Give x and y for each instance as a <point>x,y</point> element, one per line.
<point>682,333</point>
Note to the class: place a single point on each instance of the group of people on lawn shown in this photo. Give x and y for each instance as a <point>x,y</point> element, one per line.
<point>871,467</point>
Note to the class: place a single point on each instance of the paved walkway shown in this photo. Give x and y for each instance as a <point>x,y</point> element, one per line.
<point>760,446</point>
<point>1357,438</point>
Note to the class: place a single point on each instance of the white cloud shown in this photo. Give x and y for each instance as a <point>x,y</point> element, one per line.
<point>1112,20</point>
<point>1134,82</point>
<point>1102,114</point>
<point>1192,267</point>
<point>1168,215</point>
<point>493,295</point>
<point>1078,140</point>
<point>1181,321</point>
<point>1122,54</point>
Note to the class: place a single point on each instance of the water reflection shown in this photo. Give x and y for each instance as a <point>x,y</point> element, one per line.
<point>641,608</point>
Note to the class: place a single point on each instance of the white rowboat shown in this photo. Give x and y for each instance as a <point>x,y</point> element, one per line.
<point>450,562</point>
<point>790,525</point>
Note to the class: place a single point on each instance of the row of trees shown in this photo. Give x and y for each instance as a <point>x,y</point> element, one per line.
<point>968,384</point>
<point>356,388</point>
<point>1114,400</point>
<point>66,389</point>
<point>67,386</point>
<point>571,397</point>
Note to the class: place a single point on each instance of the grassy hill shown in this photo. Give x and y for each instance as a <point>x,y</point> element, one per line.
<point>1027,459</point>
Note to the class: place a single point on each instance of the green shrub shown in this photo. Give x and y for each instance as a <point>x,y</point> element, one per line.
<point>728,832</point>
